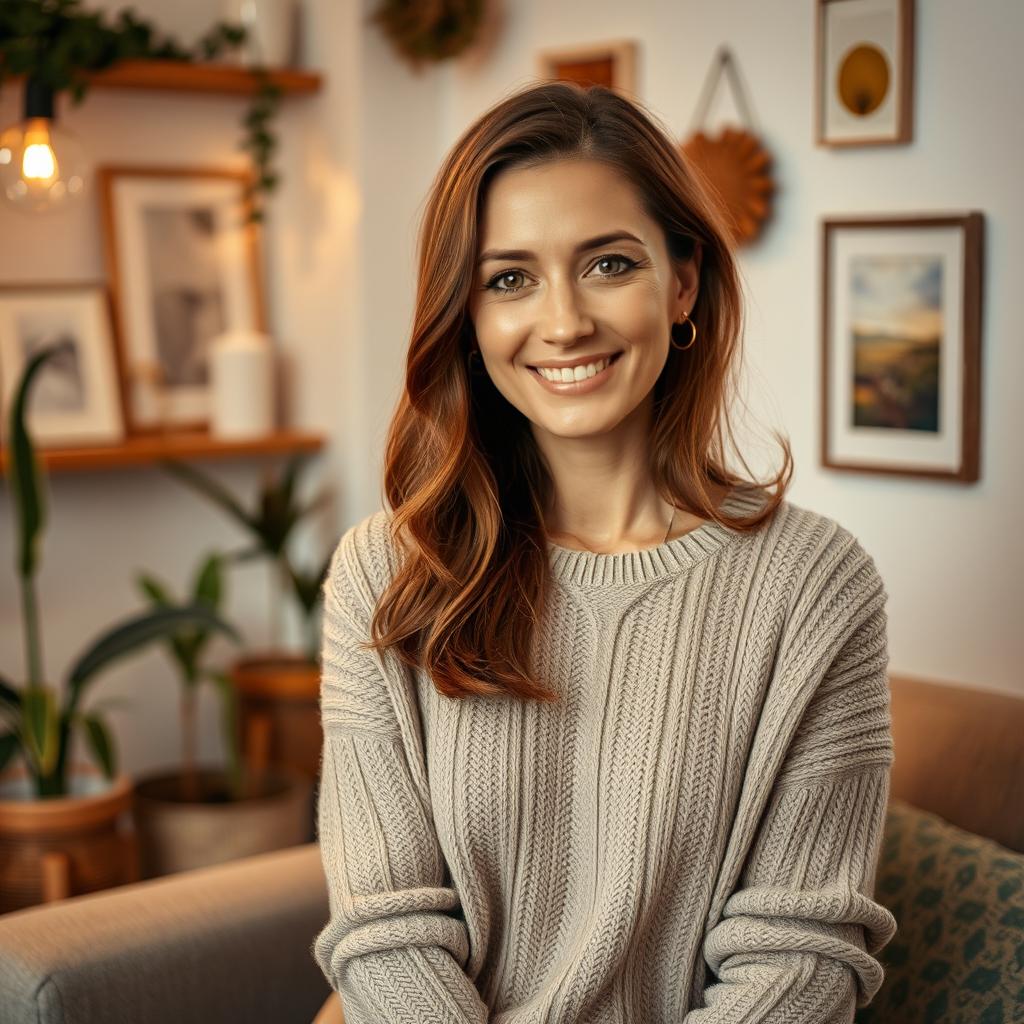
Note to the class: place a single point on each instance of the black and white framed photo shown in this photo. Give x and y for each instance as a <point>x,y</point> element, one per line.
<point>864,71</point>
<point>76,398</point>
<point>184,265</point>
<point>901,344</point>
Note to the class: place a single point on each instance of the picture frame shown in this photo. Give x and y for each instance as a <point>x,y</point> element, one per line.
<point>864,72</point>
<point>901,344</point>
<point>76,398</point>
<point>612,64</point>
<point>184,265</point>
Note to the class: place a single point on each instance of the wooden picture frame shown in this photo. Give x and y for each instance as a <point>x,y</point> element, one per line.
<point>864,72</point>
<point>76,397</point>
<point>901,344</point>
<point>184,264</point>
<point>612,64</point>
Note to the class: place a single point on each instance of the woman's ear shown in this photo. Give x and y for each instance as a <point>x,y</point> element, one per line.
<point>688,275</point>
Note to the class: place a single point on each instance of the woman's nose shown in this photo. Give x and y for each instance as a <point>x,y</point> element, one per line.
<point>563,315</point>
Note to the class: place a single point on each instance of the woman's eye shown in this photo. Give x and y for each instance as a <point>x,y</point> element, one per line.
<point>495,283</point>
<point>629,264</point>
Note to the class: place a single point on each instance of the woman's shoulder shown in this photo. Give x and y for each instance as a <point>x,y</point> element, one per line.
<point>831,569</point>
<point>366,554</point>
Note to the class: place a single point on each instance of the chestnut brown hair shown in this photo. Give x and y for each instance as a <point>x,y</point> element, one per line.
<point>463,475</point>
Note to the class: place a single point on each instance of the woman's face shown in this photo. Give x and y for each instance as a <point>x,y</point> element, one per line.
<point>560,282</point>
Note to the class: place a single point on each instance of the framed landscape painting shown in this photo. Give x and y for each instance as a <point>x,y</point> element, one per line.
<point>901,344</point>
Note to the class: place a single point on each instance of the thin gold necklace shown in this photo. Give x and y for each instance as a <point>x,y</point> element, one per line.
<point>667,532</point>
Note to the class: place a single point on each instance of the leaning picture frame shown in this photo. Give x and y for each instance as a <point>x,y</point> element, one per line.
<point>184,265</point>
<point>901,344</point>
<point>864,72</point>
<point>612,64</point>
<point>75,398</point>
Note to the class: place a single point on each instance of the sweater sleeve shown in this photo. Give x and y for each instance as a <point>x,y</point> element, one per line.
<point>394,945</point>
<point>797,938</point>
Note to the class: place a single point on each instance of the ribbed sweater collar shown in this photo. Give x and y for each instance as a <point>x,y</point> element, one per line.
<point>591,569</point>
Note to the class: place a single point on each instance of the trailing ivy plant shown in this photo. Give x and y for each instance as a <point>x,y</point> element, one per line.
<point>58,44</point>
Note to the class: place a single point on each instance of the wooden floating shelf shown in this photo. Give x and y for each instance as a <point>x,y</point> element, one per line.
<point>148,450</point>
<point>202,77</point>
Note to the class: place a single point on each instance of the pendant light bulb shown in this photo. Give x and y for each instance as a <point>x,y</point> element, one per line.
<point>43,167</point>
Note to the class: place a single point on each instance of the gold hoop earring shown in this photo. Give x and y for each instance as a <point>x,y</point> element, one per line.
<point>682,320</point>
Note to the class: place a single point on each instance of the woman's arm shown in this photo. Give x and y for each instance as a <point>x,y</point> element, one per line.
<point>393,948</point>
<point>797,938</point>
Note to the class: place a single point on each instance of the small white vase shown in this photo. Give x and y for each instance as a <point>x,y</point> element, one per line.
<point>241,385</point>
<point>270,25</point>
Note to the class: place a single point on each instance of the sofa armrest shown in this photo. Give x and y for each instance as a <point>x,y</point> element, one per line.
<point>231,942</point>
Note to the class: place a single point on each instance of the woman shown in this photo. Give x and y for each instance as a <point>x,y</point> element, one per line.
<point>606,727</point>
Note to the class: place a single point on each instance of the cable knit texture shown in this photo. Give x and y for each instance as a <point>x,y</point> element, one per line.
<point>690,836</point>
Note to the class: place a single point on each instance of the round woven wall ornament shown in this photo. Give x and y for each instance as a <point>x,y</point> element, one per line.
<point>736,167</point>
<point>735,164</point>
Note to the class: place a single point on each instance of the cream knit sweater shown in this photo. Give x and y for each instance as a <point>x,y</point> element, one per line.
<point>690,836</point>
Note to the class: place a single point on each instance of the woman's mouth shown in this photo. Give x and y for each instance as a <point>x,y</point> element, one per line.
<point>585,378</point>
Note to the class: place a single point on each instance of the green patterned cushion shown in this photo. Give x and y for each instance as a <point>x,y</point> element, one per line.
<point>958,899</point>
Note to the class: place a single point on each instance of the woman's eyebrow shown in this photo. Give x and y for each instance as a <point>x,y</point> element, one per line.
<point>590,243</point>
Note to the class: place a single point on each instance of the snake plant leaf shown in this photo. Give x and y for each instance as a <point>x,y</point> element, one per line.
<point>212,489</point>
<point>101,743</point>
<point>138,631</point>
<point>9,745</point>
<point>27,488</point>
<point>41,720</point>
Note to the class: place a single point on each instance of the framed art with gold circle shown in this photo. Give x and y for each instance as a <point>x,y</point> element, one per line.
<point>864,90</point>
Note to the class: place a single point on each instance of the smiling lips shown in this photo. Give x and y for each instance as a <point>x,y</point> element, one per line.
<point>577,380</point>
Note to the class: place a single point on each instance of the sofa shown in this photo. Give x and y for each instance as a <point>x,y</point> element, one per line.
<point>232,943</point>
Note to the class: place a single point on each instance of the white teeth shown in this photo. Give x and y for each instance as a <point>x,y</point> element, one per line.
<point>567,375</point>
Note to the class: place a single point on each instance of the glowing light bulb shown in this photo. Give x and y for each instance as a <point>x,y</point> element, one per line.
<point>43,166</point>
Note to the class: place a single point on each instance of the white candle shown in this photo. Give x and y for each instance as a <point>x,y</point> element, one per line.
<point>241,385</point>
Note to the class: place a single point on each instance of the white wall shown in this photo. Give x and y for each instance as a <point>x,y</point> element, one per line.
<point>357,161</point>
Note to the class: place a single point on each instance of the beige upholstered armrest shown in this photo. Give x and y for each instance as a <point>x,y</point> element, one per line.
<point>226,943</point>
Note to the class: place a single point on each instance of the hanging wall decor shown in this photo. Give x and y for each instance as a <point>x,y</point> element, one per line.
<point>864,66</point>
<point>611,64</point>
<point>77,397</point>
<point>183,260</point>
<point>735,165</point>
<point>429,33</point>
<point>901,344</point>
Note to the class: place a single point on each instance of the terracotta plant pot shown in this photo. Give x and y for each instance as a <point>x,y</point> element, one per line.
<point>178,835</point>
<point>66,845</point>
<point>279,711</point>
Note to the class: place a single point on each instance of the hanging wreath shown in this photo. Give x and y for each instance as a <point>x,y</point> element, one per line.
<point>429,31</point>
<point>735,163</point>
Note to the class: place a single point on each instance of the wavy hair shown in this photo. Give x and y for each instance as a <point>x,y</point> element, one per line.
<point>463,476</point>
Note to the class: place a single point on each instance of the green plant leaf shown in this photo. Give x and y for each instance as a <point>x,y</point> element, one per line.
<point>101,743</point>
<point>27,489</point>
<point>41,727</point>
<point>139,630</point>
<point>211,488</point>
<point>209,582</point>
<point>154,589</point>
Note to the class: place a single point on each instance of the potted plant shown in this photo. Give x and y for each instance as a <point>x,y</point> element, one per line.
<point>198,815</point>
<point>278,689</point>
<point>56,45</point>
<point>59,820</point>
